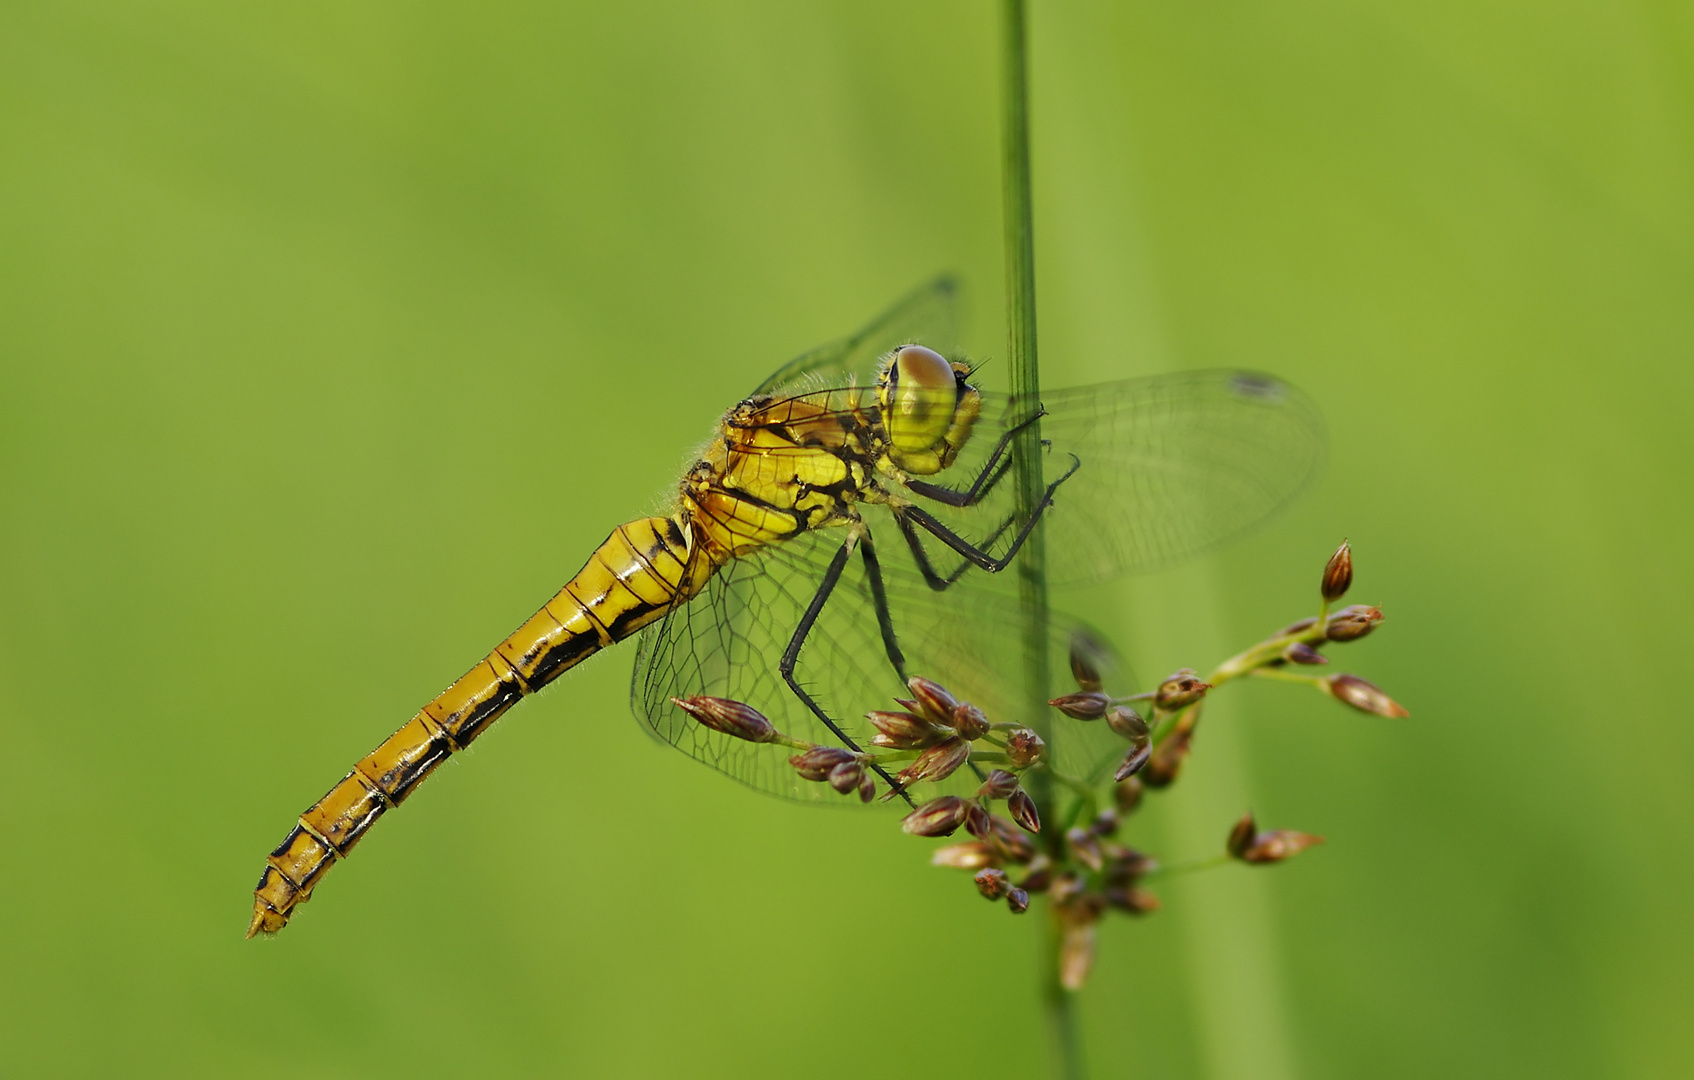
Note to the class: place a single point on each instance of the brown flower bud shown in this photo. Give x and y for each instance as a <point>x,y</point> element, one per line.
<point>967,856</point>
<point>1338,575</point>
<point>936,763</point>
<point>1180,690</point>
<point>1354,691</point>
<point>1086,654</point>
<point>901,730</point>
<point>938,817</point>
<point>1009,841</point>
<point>867,788</point>
<point>1024,747</point>
<point>1271,847</point>
<point>729,717</point>
<point>1076,954</point>
<point>1105,823</point>
<point>1066,887</point>
<point>1126,722</point>
<point>999,785</point>
<point>1166,762</point>
<point>1085,846</point>
<point>1301,653</point>
<point>1082,705</point>
<point>846,776</point>
<point>816,763</point>
<point>1017,900</point>
<point>1022,809</point>
<point>1241,836</point>
<point>1353,623</point>
<point>977,821</point>
<point>934,701</point>
<point>1127,794</point>
<point>1134,762</point>
<point>1125,864</point>
<point>1297,626</point>
<point>992,883</point>
<point>1040,874</point>
<point>969,721</point>
<point>1132,900</point>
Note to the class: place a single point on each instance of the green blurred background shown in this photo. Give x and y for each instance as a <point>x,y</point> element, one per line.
<point>333,338</point>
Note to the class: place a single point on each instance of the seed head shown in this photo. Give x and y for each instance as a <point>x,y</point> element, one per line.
<point>1085,846</point>
<point>977,821</point>
<point>1105,823</point>
<point>1017,900</point>
<point>867,788</point>
<point>901,730</point>
<point>846,776</point>
<point>1022,809</point>
<point>729,717</point>
<point>1127,794</point>
<point>1024,747</point>
<point>1354,691</point>
<point>992,883</point>
<point>1275,846</point>
<point>1166,762</point>
<point>1301,653</point>
<point>1134,762</point>
<point>1241,836</point>
<point>1040,875</point>
<point>1352,623</point>
<point>1009,841</point>
<point>1126,722</point>
<point>1124,864</point>
<point>936,763</point>
<point>819,761</point>
<point>1180,690</point>
<point>967,856</point>
<point>1132,900</point>
<point>1298,625</point>
<point>1085,661</point>
<point>1000,784</point>
<point>1338,575</point>
<point>938,817</point>
<point>1082,705</point>
<point>969,721</point>
<point>1066,887</point>
<point>933,699</point>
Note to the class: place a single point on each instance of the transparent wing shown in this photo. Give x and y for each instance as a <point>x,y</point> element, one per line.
<point>1169,466</point>
<point>926,316</point>
<point>728,641</point>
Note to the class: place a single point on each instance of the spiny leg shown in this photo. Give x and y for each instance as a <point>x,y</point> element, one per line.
<point>831,576</point>
<point>992,470</point>
<point>879,596</point>
<point>920,554</point>
<point>977,555</point>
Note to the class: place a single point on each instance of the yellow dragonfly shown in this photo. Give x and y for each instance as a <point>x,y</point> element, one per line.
<point>817,551</point>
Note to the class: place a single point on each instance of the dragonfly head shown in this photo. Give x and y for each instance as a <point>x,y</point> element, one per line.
<point>927,408</point>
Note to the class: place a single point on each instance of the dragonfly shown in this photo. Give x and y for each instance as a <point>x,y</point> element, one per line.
<point>844,527</point>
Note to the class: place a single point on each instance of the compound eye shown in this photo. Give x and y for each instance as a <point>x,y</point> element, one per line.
<point>924,393</point>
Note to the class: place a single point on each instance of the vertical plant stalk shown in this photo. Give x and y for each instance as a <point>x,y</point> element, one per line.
<point>1057,1002</point>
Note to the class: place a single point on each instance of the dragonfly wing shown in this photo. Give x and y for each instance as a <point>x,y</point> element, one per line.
<point>728,641</point>
<point>927,316</point>
<point>1171,466</point>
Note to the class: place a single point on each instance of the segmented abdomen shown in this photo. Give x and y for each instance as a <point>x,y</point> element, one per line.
<point>629,581</point>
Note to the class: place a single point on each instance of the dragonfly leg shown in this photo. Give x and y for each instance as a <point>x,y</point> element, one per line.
<point>992,470</point>
<point>879,595</point>
<point>920,554</point>
<point>791,656</point>
<point>976,555</point>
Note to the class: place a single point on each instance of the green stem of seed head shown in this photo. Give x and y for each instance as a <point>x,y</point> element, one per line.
<point>1287,676</point>
<point>1067,1061</point>
<point>1209,863</point>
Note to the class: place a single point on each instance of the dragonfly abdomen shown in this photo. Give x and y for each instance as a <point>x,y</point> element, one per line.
<point>629,581</point>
